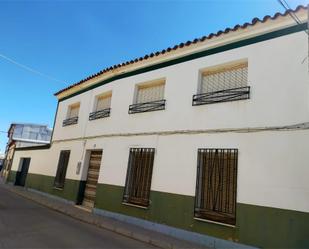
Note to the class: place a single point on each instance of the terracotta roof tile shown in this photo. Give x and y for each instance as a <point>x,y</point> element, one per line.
<point>181,45</point>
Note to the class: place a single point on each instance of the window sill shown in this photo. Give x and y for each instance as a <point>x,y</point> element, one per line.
<point>92,119</point>
<point>57,188</point>
<point>134,205</point>
<point>68,125</point>
<point>214,222</point>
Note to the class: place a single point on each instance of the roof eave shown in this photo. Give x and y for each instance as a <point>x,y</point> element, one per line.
<point>239,32</point>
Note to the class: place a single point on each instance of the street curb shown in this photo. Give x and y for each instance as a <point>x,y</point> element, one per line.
<point>99,221</point>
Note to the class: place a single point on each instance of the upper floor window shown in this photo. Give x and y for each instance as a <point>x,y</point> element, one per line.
<point>222,84</point>
<point>102,106</point>
<point>72,115</point>
<point>149,97</point>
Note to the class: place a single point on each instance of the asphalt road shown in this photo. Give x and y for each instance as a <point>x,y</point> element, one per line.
<point>25,224</point>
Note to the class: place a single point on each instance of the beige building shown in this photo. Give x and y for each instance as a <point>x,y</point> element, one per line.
<point>22,135</point>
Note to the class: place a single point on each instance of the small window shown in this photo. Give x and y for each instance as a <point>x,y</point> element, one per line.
<point>149,97</point>
<point>73,111</point>
<point>101,107</point>
<point>139,174</point>
<point>222,84</point>
<point>150,92</point>
<point>72,115</point>
<point>62,168</point>
<point>215,197</point>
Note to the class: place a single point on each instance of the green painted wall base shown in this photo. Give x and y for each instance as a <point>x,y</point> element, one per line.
<point>257,226</point>
<point>46,184</point>
<point>11,176</point>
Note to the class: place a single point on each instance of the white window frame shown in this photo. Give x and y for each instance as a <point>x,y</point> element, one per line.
<point>220,67</point>
<point>108,94</point>
<point>70,108</point>
<point>156,82</point>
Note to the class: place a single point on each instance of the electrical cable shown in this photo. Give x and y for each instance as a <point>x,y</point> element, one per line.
<point>29,68</point>
<point>286,6</point>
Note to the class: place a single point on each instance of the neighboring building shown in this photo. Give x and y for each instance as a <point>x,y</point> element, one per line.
<point>210,137</point>
<point>21,135</point>
<point>1,161</point>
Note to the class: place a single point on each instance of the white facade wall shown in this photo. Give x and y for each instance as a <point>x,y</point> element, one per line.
<point>279,94</point>
<point>45,161</point>
<point>273,166</point>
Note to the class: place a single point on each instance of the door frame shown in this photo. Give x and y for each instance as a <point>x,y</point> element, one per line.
<point>21,175</point>
<point>84,175</point>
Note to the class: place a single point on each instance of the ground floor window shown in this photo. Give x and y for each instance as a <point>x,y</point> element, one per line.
<point>215,197</point>
<point>139,174</point>
<point>62,168</point>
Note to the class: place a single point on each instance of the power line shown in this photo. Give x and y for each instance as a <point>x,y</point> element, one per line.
<point>29,68</point>
<point>287,7</point>
<point>292,13</point>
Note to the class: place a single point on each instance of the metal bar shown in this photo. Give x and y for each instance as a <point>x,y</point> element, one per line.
<point>70,121</point>
<point>62,168</point>
<point>138,180</point>
<point>150,170</point>
<point>147,106</point>
<point>215,96</point>
<point>145,179</point>
<point>233,94</point>
<point>99,114</point>
<point>128,183</point>
<point>216,170</point>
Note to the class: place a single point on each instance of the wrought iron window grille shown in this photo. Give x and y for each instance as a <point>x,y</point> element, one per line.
<point>100,114</point>
<point>147,106</point>
<point>139,174</point>
<point>61,169</point>
<point>70,121</point>
<point>233,94</point>
<point>216,184</point>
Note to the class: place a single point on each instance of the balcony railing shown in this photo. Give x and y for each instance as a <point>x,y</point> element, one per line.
<point>147,106</point>
<point>70,121</point>
<point>100,114</point>
<point>222,96</point>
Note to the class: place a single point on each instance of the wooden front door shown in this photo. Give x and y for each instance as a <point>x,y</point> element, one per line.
<point>92,179</point>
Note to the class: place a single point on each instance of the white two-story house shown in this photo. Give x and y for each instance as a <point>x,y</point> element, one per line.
<point>207,140</point>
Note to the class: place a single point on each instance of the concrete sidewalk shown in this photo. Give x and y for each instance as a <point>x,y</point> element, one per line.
<point>122,228</point>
